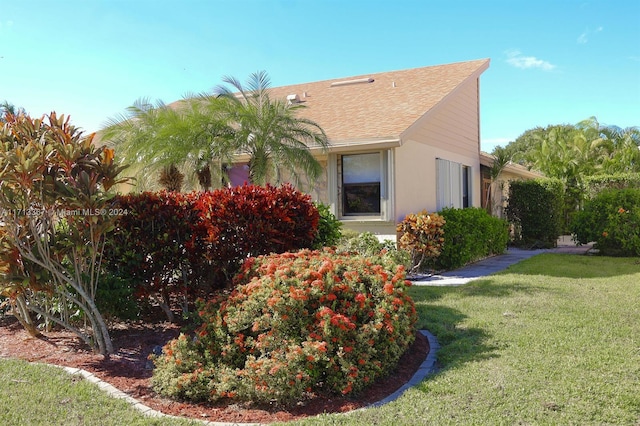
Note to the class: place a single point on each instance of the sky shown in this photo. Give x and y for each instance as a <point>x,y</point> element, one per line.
<point>552,61</point>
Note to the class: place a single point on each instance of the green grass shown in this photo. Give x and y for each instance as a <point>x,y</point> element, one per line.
<point>37,394</point>
<point>553,340</point>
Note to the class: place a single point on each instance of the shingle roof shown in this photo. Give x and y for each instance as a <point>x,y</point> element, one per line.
<point>382,108</point>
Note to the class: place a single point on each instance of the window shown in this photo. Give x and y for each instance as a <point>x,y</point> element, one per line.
<point>453,184</point>
<point>466,176</point>
<point>361,184</point>
<point>238,174</point>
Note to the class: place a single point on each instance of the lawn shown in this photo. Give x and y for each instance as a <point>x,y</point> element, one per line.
<point>37,394</point>
<point>553,340</point>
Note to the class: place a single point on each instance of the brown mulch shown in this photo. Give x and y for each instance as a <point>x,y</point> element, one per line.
<point>128,370</point>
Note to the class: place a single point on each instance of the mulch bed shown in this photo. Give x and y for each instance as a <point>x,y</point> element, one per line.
<point>128,370</point>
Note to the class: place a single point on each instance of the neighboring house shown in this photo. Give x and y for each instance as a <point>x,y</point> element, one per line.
<point>495,199</point>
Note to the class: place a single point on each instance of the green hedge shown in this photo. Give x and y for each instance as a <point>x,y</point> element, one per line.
<point>470,234</point>
<point>612,221</point>
<point>596,184</point>
<point>535,210</point>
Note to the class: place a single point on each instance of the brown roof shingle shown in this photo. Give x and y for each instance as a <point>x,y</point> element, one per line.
<point>383,108</point>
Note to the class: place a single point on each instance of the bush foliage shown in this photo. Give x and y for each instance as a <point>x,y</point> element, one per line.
<point>366,244</point>
<point>612,221</point>
<point>189,245</point>
<point>158,245</point>
<point>296,324</point>
<point>55,209</point>
<point>422,236</point>
<point>596,184</point>
<point>535,210</point>
<point>470,234</point>
<point>252,220</point>
<point>329,228</point>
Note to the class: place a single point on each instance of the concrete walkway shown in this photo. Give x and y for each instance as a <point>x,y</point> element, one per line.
<point>495,264</point>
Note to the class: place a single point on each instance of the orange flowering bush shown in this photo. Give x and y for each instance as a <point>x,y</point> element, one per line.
<point>297,324</point>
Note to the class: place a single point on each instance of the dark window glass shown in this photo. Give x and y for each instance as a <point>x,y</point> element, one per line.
<point>361,178</point>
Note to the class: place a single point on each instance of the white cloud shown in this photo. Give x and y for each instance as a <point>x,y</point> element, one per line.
<point>584,37</point>
<point>518,60</point>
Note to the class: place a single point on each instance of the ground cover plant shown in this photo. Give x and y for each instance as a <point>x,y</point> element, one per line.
<point>295,324</point>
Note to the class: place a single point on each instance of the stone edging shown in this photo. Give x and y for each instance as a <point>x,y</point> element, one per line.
<point>427,367</point>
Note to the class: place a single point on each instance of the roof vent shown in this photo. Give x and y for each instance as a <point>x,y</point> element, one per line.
<point>356,81</point>
<point>293,99</point>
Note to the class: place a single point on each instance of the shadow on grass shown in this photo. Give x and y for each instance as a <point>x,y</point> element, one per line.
<point>459,343</point>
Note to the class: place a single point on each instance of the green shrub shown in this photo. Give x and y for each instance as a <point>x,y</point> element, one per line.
<point>470,234</point>
<point>295,324</point>
<point>535,210</point>
<point>612,221</point>
<point>329,228</point>
<point>421,236</point>
<point>115,297</point>
<point>596,184</point>
<point>366,244</point>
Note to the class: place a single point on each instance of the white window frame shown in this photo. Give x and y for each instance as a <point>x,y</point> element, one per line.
<point>449,184</point>
<point>334,181</point>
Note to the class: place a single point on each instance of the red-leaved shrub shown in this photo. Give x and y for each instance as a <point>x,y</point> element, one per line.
<point>252,220</point>
<point>296,324</point>
<point>169,243</point>
<point>158,243</point>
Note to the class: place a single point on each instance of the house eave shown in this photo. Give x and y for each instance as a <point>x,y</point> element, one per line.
<point>349,145</point>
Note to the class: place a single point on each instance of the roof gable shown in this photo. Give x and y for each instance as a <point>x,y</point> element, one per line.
<point>382,105</point>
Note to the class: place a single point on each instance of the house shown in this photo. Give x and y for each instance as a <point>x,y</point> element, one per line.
<point>494,194</point>
<point>401,142</point>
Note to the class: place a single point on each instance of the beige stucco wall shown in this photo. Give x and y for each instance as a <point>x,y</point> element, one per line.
<point>450,132</point>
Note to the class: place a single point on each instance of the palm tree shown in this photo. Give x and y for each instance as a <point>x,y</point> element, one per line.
<point>270,132</point>
<point>192,136</point>
<point>501,159</point>
<point>7,109</point>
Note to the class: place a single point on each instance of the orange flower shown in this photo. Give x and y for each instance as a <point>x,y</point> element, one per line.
<point>388,288</point>
<point>621,210</point>
<point>605,234</point>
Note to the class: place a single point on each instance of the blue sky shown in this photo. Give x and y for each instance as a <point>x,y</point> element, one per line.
<point>552,61</point>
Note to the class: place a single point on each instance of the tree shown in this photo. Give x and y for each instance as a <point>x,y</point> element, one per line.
<point>572,153</point>
<point>501,158</point>
<point>55,204</point>
<point>270,132</point>
<point>192,136</point>
<point>8,109</point>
